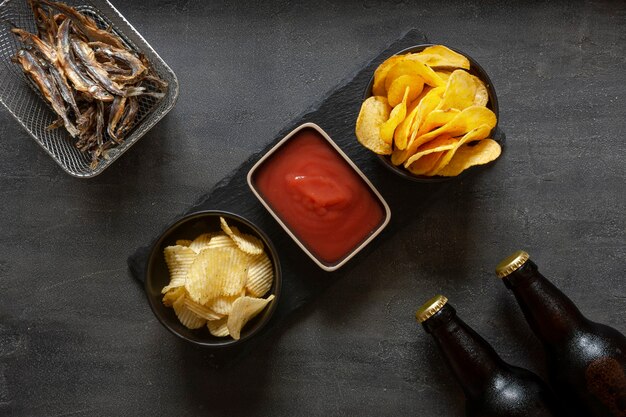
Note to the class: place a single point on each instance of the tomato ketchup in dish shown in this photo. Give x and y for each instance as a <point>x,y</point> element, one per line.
<point>319,196</point>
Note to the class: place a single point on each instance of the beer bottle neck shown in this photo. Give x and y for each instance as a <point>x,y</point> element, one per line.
<point>551,315</point>
<point>472,360</point>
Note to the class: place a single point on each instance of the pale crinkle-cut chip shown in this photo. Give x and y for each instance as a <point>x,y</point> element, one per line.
<point>201,242</point>
<point>223,303</point>
<point>215,272</point>
<point>244,309</point>
<point>467,156</point>
<point>179,260</point>
<point>202,311</point>
<point>260,276</point>
<point>172,295</point>
<point>183,242</point>
<point>222,240</point>
<point>247,243</point>
<point>218,328</point>
<point>188,318</point>
<point>374,112</point>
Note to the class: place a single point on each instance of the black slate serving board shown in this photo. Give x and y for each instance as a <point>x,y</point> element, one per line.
<point>303,280</point>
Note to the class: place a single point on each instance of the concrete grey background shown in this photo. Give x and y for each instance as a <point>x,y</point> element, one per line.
<point>76,335</point>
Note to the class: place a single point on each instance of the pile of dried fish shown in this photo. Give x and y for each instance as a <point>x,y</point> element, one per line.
<point>90,77</point>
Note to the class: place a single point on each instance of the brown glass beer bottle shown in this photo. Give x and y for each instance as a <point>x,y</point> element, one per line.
<point>492,387</point>
<point>586,360</point>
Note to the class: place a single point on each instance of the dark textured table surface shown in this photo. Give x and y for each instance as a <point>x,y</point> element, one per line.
<point>76,335</point>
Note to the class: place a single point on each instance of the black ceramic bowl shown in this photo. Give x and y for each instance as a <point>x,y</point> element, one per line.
<point>475,69</point>
<point>157,276</point>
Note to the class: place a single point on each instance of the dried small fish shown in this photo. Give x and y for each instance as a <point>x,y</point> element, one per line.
<point>100,124</point>
<point>50,56</point>
<point>130,114</point>
<point>114,69</point>
<point>115,114</point>
<point>64,88</point>
<point>86,24</point>
<point>80,81</point>
<point>99,74</point>
<point>49,52</point>
<point>131,61</point>
<point>162,84</point>
<point>76,63</point>
<point>41,21</point>
<point>31,67</point>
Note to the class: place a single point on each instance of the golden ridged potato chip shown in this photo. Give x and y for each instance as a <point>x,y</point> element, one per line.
<point>467,156</point>
<point>378,88</point>
<point>179,260</point>
<point>218,328</point>
<point>481,132</point>
<point>439,144</point>
<point>205,286</point>
<point>398,87</point>
<point>460,91</point>
<point>201,242</point>
<point>215,272</point>
<point>439,56</point>
<point>247,243</point>
<point>224,303</point>
<point>202,311</point>
<point>374,112</point>
<point>260,276</point>
<point>244,309</point>
<point>398,114</point>
<point>408,67</point>
<point>188,318</point>
<point>222,240</point>
<point>172,295</point>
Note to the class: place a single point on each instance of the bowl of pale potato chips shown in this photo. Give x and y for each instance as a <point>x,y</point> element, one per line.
<point>430,113</point>
<point>213,279</point>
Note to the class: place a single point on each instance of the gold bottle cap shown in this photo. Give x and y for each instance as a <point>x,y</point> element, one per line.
<point>430,308</point>
<point>511,263</point>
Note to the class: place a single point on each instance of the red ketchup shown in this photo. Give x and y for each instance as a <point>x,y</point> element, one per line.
<point>319,196</point>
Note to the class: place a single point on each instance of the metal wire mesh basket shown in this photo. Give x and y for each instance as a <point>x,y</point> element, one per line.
<point>27,105</point>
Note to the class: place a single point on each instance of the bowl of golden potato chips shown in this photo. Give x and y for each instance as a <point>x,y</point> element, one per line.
<point>213,279</point>
<point>430,113</point>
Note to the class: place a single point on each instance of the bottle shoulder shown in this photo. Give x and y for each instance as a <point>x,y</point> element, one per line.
<point>592,341</point>
<point>515,392</point>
